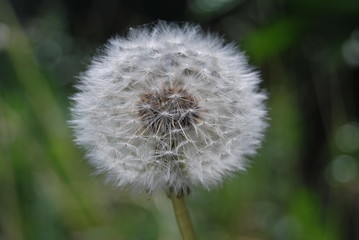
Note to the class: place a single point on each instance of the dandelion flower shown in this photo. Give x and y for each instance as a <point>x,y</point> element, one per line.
<point>169,107</point>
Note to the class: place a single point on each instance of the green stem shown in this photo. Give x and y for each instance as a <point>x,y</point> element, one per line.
<point>183,218</point>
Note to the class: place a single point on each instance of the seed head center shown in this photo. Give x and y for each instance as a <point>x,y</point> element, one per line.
<point>169,110</point>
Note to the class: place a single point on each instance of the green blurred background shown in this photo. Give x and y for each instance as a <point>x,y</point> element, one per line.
<point>303,184</point>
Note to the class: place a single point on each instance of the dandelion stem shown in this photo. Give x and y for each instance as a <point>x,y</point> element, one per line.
<point>183,218</point>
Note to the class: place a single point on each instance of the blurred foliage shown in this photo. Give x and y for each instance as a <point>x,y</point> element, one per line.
<point>302,185</point>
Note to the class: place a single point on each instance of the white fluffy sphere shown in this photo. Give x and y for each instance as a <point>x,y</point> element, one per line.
<point>169,107</point>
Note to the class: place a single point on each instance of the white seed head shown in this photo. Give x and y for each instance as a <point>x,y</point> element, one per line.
<point>168,108</point>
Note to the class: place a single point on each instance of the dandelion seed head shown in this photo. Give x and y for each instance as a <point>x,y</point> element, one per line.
<point>167,108</point>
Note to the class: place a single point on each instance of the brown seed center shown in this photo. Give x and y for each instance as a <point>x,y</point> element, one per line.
<point>169,110</point>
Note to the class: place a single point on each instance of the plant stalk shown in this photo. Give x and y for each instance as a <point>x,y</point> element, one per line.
<point>183,219</point>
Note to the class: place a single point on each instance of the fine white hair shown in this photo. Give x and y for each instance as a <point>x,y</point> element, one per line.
<point>120,98</point>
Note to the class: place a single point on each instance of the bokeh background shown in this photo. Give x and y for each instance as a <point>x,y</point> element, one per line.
<point>303,184</point>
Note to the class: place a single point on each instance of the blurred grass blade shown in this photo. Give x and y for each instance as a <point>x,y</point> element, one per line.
<point>60,152</point>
